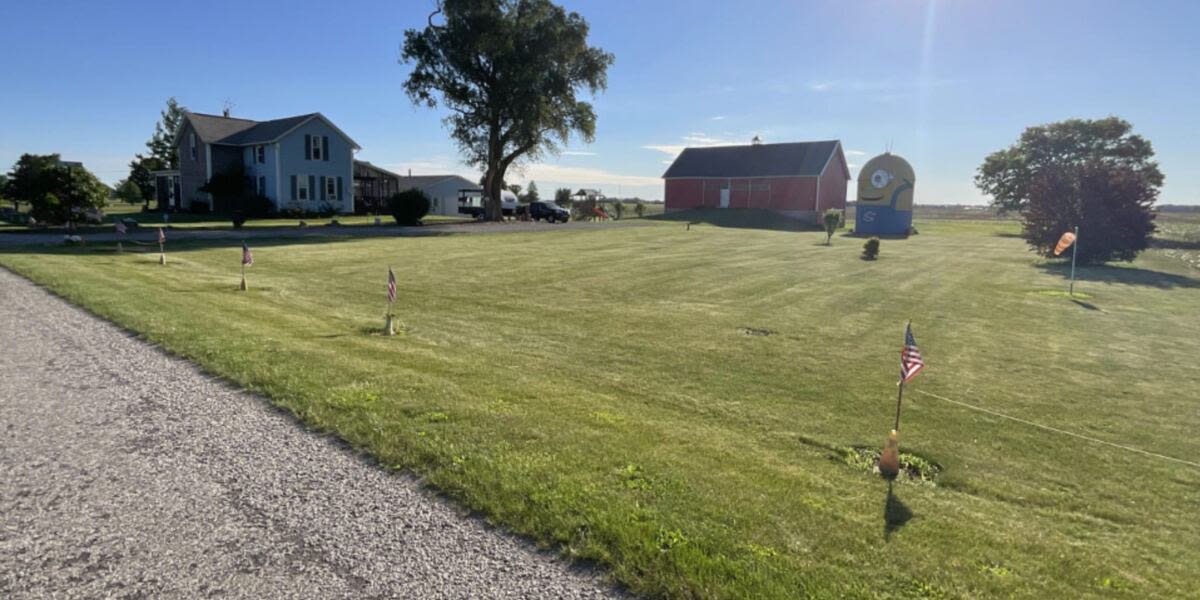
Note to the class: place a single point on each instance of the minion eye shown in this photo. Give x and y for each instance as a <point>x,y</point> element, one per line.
<point>880,179</point>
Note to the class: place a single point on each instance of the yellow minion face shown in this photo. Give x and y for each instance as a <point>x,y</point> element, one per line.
<point>886,180</point>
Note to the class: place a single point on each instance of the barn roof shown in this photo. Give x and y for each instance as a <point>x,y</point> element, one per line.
<point>795,159</point>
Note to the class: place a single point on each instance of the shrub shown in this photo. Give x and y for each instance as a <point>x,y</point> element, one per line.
<point>832,218</point>
<point>871,249</point>
<point>639,209</point>
<point>409,207</point>
<point>198,207</point>
<point>239,219</point>
<point>618,210</point>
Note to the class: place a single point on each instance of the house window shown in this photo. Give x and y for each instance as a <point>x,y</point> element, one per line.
<point>260,154</point>
<point>331,191</point>
<point>192,143</point>
<point>316,147</point>
<point>262,185</point>
<point>302,187</point>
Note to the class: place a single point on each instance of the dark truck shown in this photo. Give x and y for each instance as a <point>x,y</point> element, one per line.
<point>548,211</point>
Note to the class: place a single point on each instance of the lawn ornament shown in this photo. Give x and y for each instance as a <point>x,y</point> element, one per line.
<point>885,196</point>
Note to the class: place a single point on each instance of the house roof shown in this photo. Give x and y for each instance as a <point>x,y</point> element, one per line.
<point>232,131</point>
<point>426,181</point>
<point>795,159</point>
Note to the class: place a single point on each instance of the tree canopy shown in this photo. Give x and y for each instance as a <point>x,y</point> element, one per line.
<point>162,144</point>
<point>140,172</point>
<point>56,192</point>
<point>129,191</point>
<point>1006,175</point>
<point>509,72</point>
<point>1093,174</point>
<point>1111,204</point>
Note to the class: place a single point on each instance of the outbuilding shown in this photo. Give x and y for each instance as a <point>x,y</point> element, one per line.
<point>797,179</point>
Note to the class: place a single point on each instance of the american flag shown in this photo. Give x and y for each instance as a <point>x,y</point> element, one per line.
<point>910,357</point>
<point>391,286</point>
<point>120,227</point>
<point>247,258</point>
<point>162,237</point>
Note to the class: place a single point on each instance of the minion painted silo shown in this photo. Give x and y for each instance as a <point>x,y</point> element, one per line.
<point>885,196</point>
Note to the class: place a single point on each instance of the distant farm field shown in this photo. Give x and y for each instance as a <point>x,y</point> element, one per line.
<point>684,406</point>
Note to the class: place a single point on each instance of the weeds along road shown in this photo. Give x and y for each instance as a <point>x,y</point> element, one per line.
<point>128,472</point>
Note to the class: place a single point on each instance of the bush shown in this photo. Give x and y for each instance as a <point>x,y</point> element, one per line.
<point>198,207</point>
<point>871,249</point>
<point>832,219</point>
<point>239,219</point>
<point>409,207</point>
<point>618,210</point>
<point>639,209</point>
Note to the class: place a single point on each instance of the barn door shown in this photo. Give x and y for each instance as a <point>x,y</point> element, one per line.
<point>725,197</point>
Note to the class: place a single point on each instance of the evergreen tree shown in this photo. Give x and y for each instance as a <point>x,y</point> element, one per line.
<point>162,146</point>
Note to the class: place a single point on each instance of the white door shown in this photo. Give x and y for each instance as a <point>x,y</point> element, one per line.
<point>724,197</point>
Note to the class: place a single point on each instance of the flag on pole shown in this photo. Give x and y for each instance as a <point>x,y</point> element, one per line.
<point>120,227</point>
<point>391,286</point>
<point>1064,242</point>
<point>247,258</point>
<point>910,357</point>
<point>162,237</point>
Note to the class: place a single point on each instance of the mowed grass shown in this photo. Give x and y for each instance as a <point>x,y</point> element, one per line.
<point>596,391</point>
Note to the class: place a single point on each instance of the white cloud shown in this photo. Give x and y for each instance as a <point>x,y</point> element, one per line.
<point>820,86</point>
<point>718,118</point>
<point>855,153</point>
<point>576,153</point>
<point>694,139</point>
<point>672,149</point>
<point>583,176</point>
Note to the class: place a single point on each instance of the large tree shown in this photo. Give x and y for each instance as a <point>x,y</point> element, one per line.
<point>141,172</point>
<point>1093,174</point>
<point>1006,175</point>
<point>509,72</point>
<point>1111,204</point>
<point>162,145</point>
<point>57,192</point>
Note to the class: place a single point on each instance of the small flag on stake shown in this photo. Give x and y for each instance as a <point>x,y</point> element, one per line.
<point>247,260</point>
<point>910,357</point>
<point>162,239</point>
<point>911,363</point>
<point>120,227</point>
<point>389,327</point>
<point>391,288</point>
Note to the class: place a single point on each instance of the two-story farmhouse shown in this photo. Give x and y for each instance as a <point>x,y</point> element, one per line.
<point>303,162</point>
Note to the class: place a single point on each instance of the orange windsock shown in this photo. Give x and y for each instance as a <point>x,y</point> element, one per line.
<point>1064,242</point>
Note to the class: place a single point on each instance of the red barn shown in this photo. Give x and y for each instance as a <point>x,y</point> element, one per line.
<point>799,179</point>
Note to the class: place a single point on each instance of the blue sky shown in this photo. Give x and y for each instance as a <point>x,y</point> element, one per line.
<point>944,83</point>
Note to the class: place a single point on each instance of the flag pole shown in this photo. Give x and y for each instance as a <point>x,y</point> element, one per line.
<point>162,254</point>
<point>243,288</point>
<point>899,397</point>
<point>1074,253</point>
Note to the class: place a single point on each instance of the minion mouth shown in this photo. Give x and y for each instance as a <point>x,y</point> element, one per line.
<point>875,199</point>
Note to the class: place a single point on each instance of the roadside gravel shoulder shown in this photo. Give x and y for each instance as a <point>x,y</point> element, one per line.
<point>129,473</point>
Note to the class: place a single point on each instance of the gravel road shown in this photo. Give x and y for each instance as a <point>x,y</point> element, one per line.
<point>127,473</point>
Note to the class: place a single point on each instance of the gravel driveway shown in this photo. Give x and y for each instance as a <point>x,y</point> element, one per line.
<point>128,473</point>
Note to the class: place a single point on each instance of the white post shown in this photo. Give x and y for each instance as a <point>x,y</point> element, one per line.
<point>1074,253</point>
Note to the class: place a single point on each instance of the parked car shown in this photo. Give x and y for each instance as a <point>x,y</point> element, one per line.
<point>548,211</point>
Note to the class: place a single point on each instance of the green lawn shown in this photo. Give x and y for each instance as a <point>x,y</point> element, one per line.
<point>596,390</point>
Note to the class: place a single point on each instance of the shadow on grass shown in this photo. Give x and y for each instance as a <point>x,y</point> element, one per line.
<point>261,240</point>
<point>1125,275</point>
<point>895,513</point>
<point>741,218</point>
<point>1174,244</point>
<point>1087,305</point>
